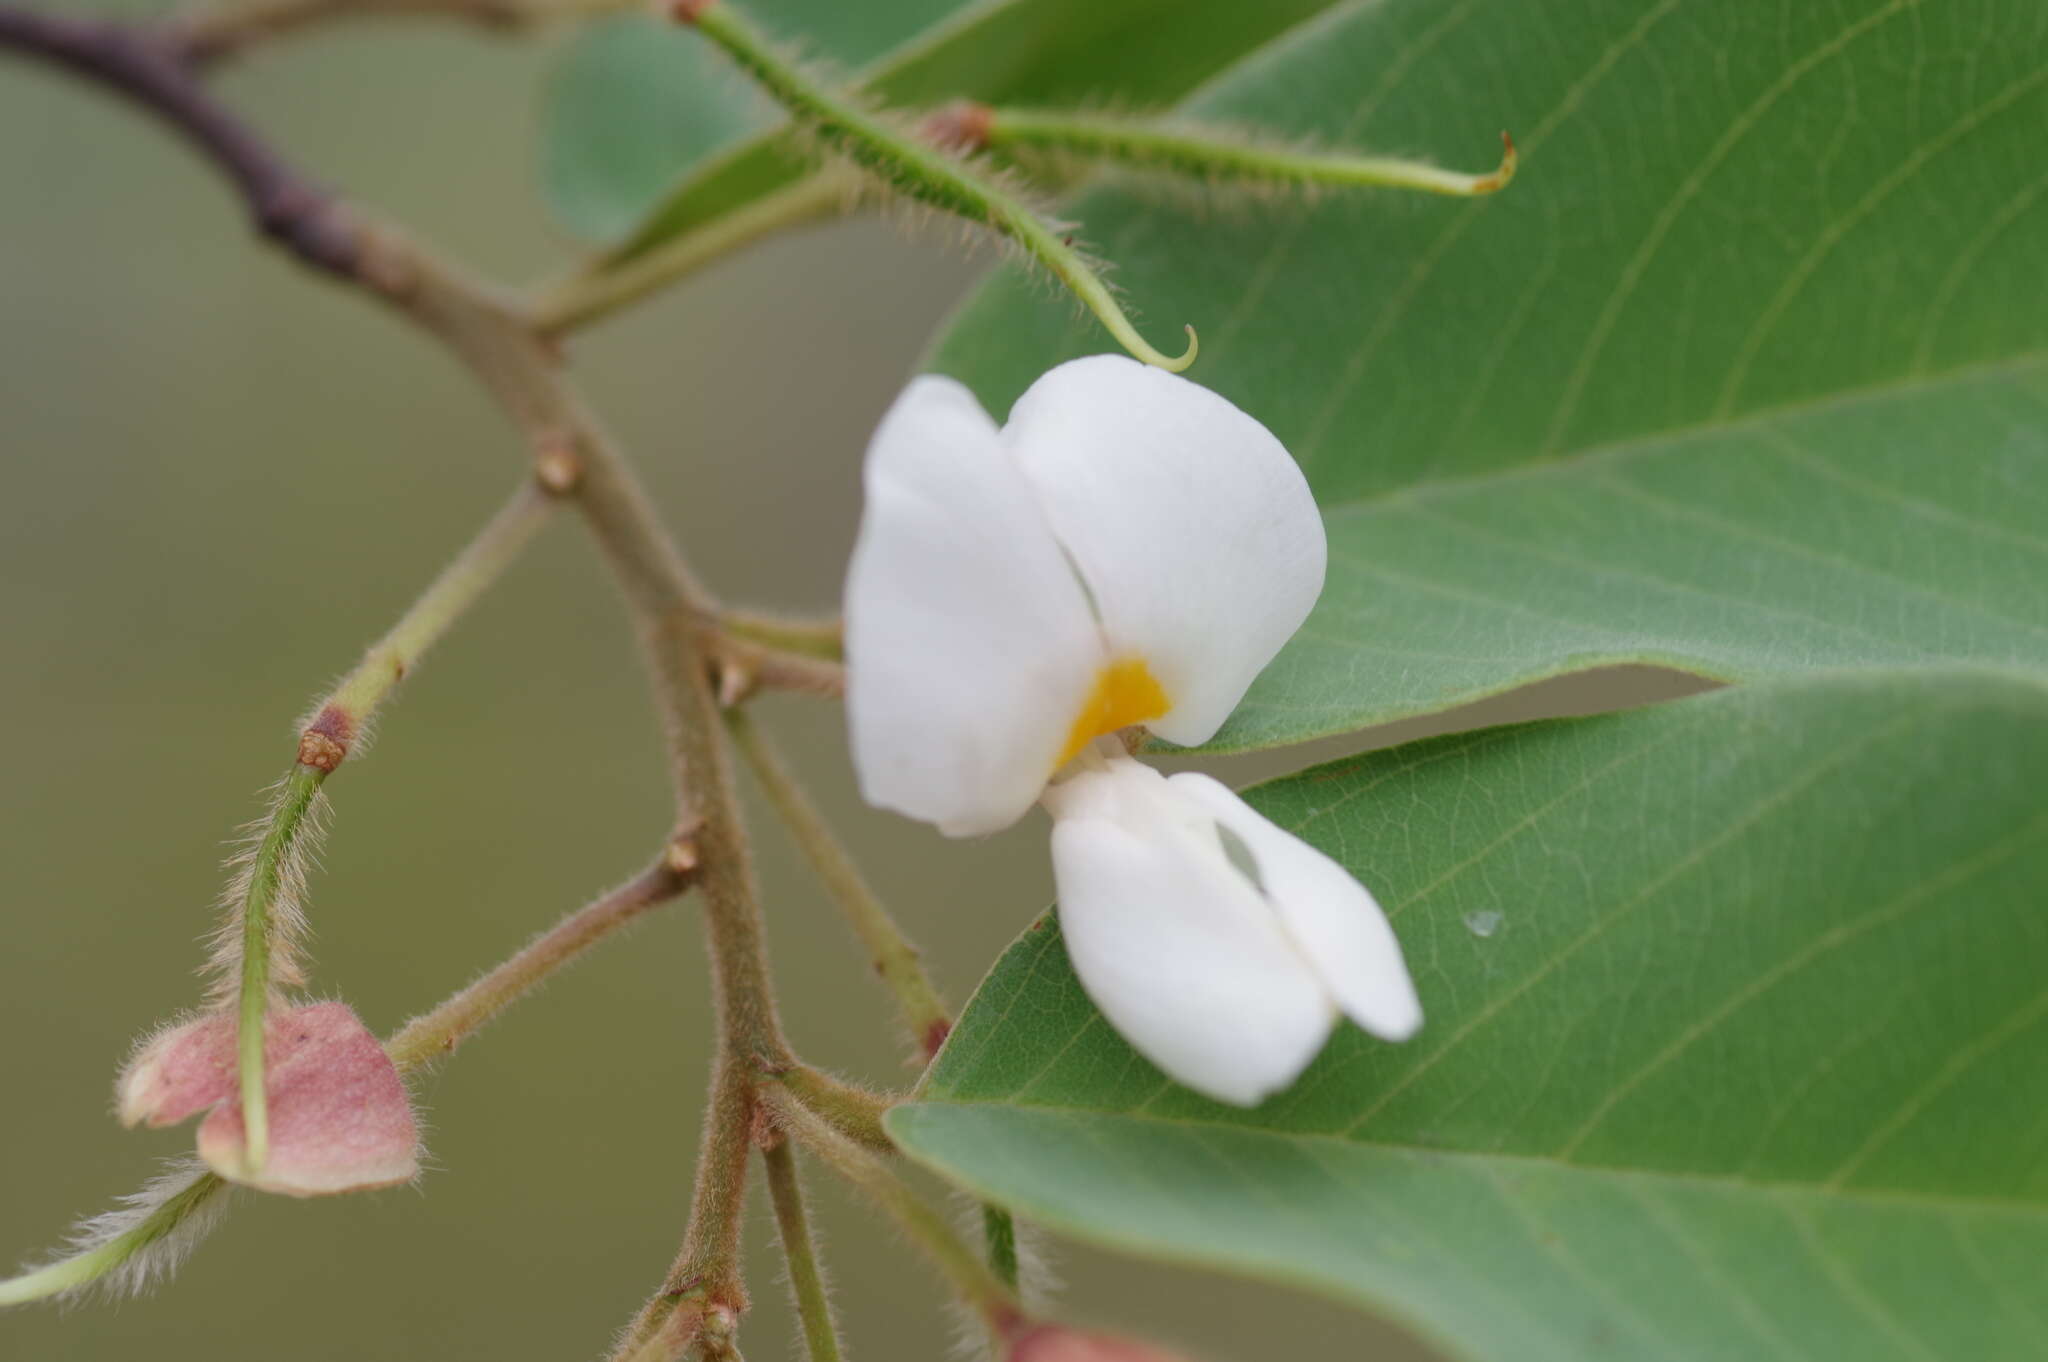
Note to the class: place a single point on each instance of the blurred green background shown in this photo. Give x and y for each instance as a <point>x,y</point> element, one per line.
<point>223,477</point>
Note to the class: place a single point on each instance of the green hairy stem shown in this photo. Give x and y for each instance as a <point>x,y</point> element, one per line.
<point>1214,155</point>
<point>268,900</point>
<point>919,171</point>
<point>413,1047</point>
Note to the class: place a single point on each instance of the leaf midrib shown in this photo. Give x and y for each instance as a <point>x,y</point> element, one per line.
<point>1725,1183</point>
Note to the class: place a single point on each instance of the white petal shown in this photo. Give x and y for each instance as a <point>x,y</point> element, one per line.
<point>1184,958</point>
<point>1191,524</point>
<point>1333,919</point>
<point>970,645</point>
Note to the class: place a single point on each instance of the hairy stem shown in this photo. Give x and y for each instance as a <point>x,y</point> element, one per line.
<point>414,1046</point>
<point>800,1251</point>
<point>596,292</point>
<point>905,163</point>
<point>426,1038</point>
<point>276,870</point>
<point>501,345</point>
<point>854,1112</point>
<point>275,867</point>
<point>170,1211</point>
<point>348,711</point>
<point>999,1232</point>
<point>822,639</point>
<point>1212,155</point>
<point>963,1269</point>
<point>896,960</point>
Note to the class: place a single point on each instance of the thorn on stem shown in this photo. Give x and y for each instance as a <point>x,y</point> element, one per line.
<point>688,11</point>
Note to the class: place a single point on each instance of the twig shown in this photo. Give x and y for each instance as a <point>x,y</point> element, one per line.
<point>963,1269</point>
<point>149,68</point>
<point>503,348</point>
<point>824,639</point>
<point>428,1037</point>
<point>597,292</point>
<point>212,34</point>
<point>896,960</point>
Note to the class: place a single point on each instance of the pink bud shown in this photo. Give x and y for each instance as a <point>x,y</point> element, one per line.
<point>1057,1343</point>
<point>339,1116</point>
<point>178,1072</point>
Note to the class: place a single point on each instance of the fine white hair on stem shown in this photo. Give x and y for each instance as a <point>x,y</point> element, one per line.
<point>1038,1281</point>
<point>129,1249</point>
<point>289,928</point>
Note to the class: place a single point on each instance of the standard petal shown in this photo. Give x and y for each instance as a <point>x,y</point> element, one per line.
<point>1192,526</point>
<point>1334,920</point>
<point>340,1120</point>
<point>1184,958</point>
<point>970,647</point>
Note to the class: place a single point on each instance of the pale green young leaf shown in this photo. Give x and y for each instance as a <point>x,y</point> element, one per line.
<point>1736,1044</point>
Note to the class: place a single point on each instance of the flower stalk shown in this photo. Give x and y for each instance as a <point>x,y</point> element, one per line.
<point>800,1252</point>
<point>896,961</point>
<point>901,160</point>
<point>597,292</point>
<point>970,1278</point>
<point>821,639</point>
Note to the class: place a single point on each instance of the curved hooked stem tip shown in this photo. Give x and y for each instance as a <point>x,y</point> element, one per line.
<point>1143,349</point>
<point>1510,158</point>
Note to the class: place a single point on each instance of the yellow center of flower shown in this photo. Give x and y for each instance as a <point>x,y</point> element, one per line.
<point>1125,693</point>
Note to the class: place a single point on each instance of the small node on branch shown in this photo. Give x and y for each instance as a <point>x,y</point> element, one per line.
<point>689,11</point>
<point>324,743</point>
<point>682,855</point>
<point>559,467</point>
<point>961,127</point>
<point>737,679</point>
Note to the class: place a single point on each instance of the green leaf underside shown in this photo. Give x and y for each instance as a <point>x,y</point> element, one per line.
<point>1140,53</point>
<point>1747,372</point>
<point>633,99</point>
<point>1737,1044</point>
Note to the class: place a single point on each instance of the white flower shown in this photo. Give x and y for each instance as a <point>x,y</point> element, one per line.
<point>1130,549</point>
<point>1221,947</point>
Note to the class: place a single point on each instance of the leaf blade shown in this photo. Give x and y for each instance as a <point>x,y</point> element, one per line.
<point>1782,1033</point>
<point>1790,236</point>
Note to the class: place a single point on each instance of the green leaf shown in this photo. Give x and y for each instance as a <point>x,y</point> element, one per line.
<point>1138,53</point>
<point>1747,372</point>
<point>1737,1044</point>
<point>632,100</point>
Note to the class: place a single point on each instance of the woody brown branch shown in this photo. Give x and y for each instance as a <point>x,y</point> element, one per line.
<point>501,346</point>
